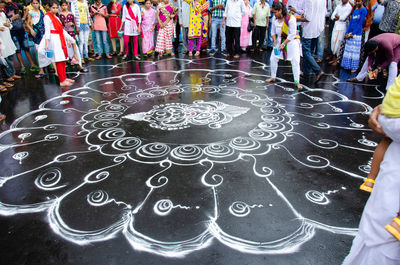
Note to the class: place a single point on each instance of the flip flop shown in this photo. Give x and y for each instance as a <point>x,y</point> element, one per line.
<point>38,76</point>
<point>392,230</point>
<point>8,84</point>
<point>3,89</point>
<point>366,188</point>
<point>84,70</point>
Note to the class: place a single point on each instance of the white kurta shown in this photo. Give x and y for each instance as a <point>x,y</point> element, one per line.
<point>373,244</point>
<point>54,45</point>
<point>8,47</point>
<point>339,30</point>
<point>293,47</point>
<point>130,27</point>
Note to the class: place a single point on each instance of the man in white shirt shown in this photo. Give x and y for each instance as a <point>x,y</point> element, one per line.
<point>314,24</point>
<point>234,11</point>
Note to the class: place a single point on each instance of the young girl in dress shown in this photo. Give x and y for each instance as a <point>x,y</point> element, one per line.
<point>67,19</point>
<point>286,42</point>
<point>36,19</point>
<point>131,19</point>
<point>114,24</point>
<point>196,25</point>
<point>352,48</point>
<point>148,26</point>
<point>54,46</point>
<point>245,35</point>
<point>166,17</point>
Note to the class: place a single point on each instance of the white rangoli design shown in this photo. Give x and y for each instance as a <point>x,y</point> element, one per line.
<point>141,182</point>
<point>174,116</point>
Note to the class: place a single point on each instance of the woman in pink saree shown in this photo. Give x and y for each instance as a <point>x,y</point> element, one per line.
<point>166,16</point>
<point>148,25</point>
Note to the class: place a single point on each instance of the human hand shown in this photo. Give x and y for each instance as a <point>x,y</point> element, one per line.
<point>7,24</point>
<point>2,29</point>
<point>373,120</point>
<point>33,33</point>
<point>69,44</point>
<point>282,46</point>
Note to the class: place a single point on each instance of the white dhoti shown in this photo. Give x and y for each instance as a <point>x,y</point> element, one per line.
<point>374,244</point>
<point>338,32</point>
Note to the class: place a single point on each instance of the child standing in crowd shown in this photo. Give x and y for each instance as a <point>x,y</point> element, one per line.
<point>351,55</point>
<point>12,11</point>
<point>340,15</point>
<point>166,14</point>
<point>286,41</point>
<point>56,42</point>
<point>131,19</point>
<point>245,35</point>
<point>99,13</point>
<point>7,49</point>
<point>36,19</point>
<point>196,25</point>
<point>67,19</point>
<point>82,19</point>
<point>114,24</point>
<point>148,25</point>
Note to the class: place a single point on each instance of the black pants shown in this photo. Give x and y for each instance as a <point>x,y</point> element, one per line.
<point>232,35</point>
<point>374,31</point>
<point>259,35</point>
<point>178,32</point>
<point>329,49</point>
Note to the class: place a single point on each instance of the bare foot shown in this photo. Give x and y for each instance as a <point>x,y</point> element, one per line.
<point>298,86</point>
<point>270,80</point>
<point>2,117</point>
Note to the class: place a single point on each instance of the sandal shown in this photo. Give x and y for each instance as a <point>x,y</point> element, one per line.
<point>197,54</point>
<point>38,76</point>
<point>83,70</point>
<point>393,230</point>
<point>98,57</point>
<point>124,57</point>
<point>3,89</point>
<point>364,187</point>
<point>15,77</point>
<point>10,79</point>
<point>190,54</point>
<point>120,54</point>
<point>270,80</point>
<point>6,84</point>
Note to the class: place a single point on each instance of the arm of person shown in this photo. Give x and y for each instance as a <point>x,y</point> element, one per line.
<point>47,31</point>
<point>123,17</point>
<point>291,34</point>
<point>373,120</point>
<point>307,12</point>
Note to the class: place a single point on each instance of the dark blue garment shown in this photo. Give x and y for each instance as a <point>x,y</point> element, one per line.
<point>357,21</point>
<point>39,29</point>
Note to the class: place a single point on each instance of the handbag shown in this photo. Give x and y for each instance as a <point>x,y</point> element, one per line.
<point>250,27</point>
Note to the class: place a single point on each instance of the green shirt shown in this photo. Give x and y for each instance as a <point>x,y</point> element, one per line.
<point>261,14</point>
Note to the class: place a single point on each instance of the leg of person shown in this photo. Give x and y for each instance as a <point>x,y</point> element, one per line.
<point>263,31</point>
<point>329,50</point>
<point>270,43</point>
<point>135,45</point>
<point>114,45</point>
<point>236,35</point>
<point>99,46</point>
<point>9,68</point>
<point>274,68</point>
<point>178,32</point>
<point>222,36</point>
<point>229,39</point>
<point>61,71</point>
<point>126,45</point>
<point>362,74</point>
<point>185,39</point>
<point>106,43</point>
<point>314,66</point>
<point>25,46</point>
<point>367,34</point>
<point>377,158</point>
<point>214,31</point>
<point>320,47</point>
<point>296,68</point>
<point>121,46</point>
<point>392,74</point>
<point>255,37</point>
<point>306,46</point>
<point>81,42</point>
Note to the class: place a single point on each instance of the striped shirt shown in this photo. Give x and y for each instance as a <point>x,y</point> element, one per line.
<point>218,12</point>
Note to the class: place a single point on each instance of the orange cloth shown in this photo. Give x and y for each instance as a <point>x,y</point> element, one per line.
<point>368,20</point>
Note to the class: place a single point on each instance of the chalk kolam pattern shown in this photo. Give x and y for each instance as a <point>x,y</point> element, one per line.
<point>125,124</point>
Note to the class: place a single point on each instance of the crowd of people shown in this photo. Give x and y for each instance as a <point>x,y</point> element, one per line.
<point>363,36</point>
<point>152,28</point>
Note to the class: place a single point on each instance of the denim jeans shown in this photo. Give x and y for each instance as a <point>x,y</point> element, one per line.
<point>321,45</point>
<point>84,32</point>
<point>102,38</point>
<point>269,37</point>
<point>185,32</point>
<point>215,23</point>
<point>309,63</point>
